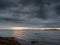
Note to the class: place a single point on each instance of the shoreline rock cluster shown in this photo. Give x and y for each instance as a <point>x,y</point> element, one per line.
<point>8,41</point>
<point>14,41</point>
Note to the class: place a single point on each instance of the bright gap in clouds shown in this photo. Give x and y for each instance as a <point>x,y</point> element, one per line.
<point>18,28</point>
<point>22,28</point>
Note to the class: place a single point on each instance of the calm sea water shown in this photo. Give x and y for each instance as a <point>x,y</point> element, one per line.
<point>46,37</point>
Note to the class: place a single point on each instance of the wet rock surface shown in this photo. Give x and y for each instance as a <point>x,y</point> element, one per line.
<point>8,41</point>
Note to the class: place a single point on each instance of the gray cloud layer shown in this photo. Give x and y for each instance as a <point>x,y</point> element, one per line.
<point>34,12</point>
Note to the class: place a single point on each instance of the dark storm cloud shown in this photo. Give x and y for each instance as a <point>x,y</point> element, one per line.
<point>43,5</point>
<point>3,4</point>
<point>7,3</point>
<point>57,8</point>
<point>39,3</point>
<point>41,13</point>
<point>34,12</point>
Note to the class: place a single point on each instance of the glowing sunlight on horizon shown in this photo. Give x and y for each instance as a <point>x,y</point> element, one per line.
<point>33,28</point>
<point>22,28</point>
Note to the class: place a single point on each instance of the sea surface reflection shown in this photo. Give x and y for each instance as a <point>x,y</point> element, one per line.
<point>46,37</point>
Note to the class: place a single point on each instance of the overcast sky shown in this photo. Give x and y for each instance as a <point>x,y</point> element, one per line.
<point>33,13</point>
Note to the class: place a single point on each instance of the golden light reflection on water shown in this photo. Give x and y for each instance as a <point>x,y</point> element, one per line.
<point>18,33</point>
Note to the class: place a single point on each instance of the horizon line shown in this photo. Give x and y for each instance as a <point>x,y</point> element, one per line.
<point>30,28</point>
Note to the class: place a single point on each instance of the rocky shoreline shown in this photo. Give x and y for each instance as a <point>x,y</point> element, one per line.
<point>14,41</point>
<point>8,41</point>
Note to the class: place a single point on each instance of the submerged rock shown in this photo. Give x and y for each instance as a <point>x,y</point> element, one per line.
<point>35,42</point>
